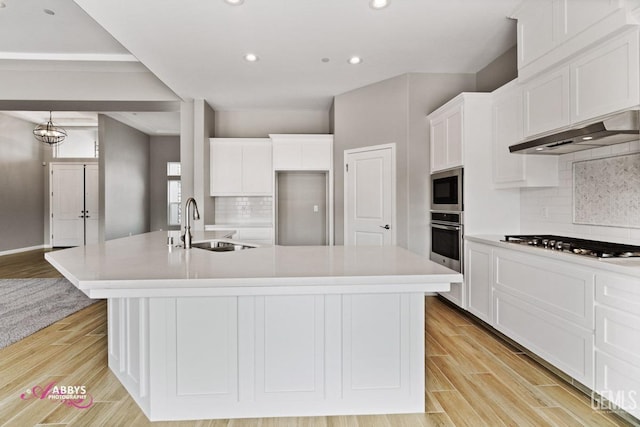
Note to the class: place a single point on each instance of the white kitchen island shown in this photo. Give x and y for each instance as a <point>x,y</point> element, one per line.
<point>270,331</point>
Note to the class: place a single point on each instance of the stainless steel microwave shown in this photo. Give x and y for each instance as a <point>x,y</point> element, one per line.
<point>446,190</point>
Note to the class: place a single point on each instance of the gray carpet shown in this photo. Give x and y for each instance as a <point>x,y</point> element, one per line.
<point>28,305</point>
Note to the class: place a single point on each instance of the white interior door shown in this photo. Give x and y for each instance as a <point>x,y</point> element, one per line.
<point>370,196</point>
<point>91,203</point>
<point>67,204</point>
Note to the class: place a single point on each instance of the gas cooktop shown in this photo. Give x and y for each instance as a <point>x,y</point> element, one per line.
<point>592,248</point>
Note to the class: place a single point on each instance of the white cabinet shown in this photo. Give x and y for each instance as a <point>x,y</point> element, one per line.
<point>606,79</point>
<point>241,167</point>
<point>512,169</point>
<point>546,102</point>
<point>302,152</point>
<point>547,306</point>
<point>552,30</point>
<point>617,355</point>
<point>478,278</point>
<point>447,136</point>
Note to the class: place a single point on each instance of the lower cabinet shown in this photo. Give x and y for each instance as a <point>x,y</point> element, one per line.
<point>479,279</point>
<point>583,320</point>
<point>617,341</point>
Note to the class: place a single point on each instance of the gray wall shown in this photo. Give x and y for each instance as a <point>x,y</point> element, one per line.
<point>500,71</point>
<point>162,149</point>
<point>21,185</point>
<point>124,179</point>
<point>390,111</point>
<point>259,124</point>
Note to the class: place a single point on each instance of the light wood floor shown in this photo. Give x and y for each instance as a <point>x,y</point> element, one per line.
<point>473,378</point>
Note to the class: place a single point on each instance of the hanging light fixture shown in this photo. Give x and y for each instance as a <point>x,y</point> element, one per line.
<point>49,133</point>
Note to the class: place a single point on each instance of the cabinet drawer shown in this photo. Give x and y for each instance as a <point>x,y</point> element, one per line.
<point>619,382</point>
<point>568,347</point>
<point>618,334</point>
<point>621,292</point>
<point>557,287</point>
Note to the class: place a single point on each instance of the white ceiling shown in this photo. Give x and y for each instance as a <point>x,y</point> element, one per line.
<point>196,47</point>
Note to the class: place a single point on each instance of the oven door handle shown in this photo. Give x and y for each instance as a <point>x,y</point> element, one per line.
<point>445,227</point>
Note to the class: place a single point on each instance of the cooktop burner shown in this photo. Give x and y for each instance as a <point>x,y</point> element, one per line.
<point>585,247</point>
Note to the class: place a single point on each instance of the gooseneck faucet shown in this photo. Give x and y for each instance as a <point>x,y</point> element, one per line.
<point>186,237</point>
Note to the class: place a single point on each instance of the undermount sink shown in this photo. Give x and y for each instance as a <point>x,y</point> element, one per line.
<point>222,245</point>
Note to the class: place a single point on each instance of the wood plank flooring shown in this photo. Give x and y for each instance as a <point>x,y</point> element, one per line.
<point>473,378</point>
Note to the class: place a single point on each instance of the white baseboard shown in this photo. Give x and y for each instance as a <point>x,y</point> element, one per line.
<point>15,251</point>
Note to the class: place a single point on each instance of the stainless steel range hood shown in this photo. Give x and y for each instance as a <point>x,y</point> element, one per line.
<point>615,129</point>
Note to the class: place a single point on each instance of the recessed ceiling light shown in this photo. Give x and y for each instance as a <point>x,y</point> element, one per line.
<point>539,148</point>
<point>251,57</point>
<point>354,60</point>
<point>325,60</point>
<point>378,4</point>
<point>234,2</point>
<point>587,138</point>
<point>49,12</point>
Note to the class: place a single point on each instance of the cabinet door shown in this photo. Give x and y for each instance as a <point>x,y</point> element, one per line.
<point>257,169</point>
<point>455,137</point>
<point>537,30</point>
<point>507,130</point>
<point>438,145</point>
<point>479,280</point>
<point>226,167</point>
<point>606,79</point>
<point>316,155</point>
<point>287,155</point>
<point>546,102</point>
<point>580,15</point>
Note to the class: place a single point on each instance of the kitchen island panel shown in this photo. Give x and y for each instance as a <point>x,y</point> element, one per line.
<point>270,356</point>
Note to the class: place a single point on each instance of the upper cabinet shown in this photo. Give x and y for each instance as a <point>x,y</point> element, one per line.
<point>516,170</point>
<point>606,78</point>
<point>241,167</point>
<point>302,152</point>
<point>546,102</point>
<point>601,81</point>
<point>447,135</point>
<point>552,30</point>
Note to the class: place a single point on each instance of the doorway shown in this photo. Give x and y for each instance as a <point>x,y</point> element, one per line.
<point>370,200</point>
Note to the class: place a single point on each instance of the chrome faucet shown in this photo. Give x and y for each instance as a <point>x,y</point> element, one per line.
<point>186,237</point>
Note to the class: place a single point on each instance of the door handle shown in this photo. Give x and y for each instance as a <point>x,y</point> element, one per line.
<point>386,227</point>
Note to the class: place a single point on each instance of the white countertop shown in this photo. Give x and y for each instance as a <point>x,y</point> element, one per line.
<point>144,265</point>
<point>629,266</point>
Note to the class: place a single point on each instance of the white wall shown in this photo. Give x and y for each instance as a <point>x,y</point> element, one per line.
<point>558,202</point>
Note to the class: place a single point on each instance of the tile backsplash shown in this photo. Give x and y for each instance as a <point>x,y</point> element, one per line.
<point>551,210</point>
<point>243,210</point>
<point>607,191</point>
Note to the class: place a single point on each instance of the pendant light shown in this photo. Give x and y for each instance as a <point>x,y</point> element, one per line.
<point>49,133</point>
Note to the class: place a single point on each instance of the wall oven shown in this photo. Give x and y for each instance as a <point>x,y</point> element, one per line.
<point>447,239</point>
<point>446,190</point>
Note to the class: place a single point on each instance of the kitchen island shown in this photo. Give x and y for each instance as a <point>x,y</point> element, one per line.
<point>262,332</point>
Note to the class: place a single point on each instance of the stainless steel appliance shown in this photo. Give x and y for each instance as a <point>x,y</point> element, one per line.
<point>447,234</point>
<point>446,190</point>
<point>592,248</point>
<point>615,129</point>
